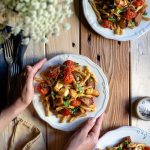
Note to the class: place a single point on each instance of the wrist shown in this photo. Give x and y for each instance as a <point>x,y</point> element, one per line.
<point>19,106</point>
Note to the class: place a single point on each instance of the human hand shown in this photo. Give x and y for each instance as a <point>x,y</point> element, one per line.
<point>27,89</point>
<point>86,137</point>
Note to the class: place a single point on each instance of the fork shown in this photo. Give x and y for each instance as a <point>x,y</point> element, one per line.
<point>8,53</point>
<point>15,70</point>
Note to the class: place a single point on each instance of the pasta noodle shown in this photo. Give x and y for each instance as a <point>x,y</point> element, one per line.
<point>119,14</point>
<point>127,144</point>
<point>68,90</point>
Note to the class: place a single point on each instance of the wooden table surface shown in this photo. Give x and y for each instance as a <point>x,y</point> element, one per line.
<point>126,65</point>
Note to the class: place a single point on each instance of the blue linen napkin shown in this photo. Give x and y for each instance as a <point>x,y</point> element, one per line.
<point>19,51</point>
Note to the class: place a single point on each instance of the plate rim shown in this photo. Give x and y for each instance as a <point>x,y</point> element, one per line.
<point>129,38</point>
<point>96,67</point>
<point>122,128</point>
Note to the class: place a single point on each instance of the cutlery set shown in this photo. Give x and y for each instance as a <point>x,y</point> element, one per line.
<point>13,52</point>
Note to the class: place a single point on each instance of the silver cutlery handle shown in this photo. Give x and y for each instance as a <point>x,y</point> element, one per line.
<point>8,83</point>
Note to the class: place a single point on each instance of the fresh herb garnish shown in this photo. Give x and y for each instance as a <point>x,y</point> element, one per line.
<point>67,97</point>
<point>66,103</point>
<point>76,64</point>
<point>79,88</point>
<point>53,95</point>
<point>132,24</point>
<point>118,11</point>
<point>119,148</point>
<point>126,143</point>
<point>145,13</point>
<point>75,109</point>
<point>112,19</point>
<point>91,80</point>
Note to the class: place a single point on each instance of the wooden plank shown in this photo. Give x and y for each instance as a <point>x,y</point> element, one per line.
<point>140,76</point>
<point>34,53</point>
<point>113,58</point>
<point>67,42</point>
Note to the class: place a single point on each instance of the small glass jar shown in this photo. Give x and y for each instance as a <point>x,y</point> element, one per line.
<point>143,109</point>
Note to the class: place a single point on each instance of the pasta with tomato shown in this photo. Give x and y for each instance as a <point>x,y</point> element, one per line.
<point>128,144</point>
<point>120,14</point>
<point>67,90</point>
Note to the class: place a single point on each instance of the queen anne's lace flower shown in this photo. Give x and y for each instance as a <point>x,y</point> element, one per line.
<point>38,18</point>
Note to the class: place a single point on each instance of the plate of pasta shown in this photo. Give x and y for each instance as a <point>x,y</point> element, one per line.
<point>121,20</point>
<point>125,138</point>
<point>69,89</point>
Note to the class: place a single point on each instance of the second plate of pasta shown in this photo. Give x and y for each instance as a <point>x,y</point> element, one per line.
<point>70,89</point>
<point>126,26</point>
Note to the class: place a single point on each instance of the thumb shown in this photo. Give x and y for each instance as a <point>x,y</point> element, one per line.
<point>88,126</point>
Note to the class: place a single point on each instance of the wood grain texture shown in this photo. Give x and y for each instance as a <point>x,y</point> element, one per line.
<point>34,53</point>
<point>113,57</point>
<point>140,76</point>
<point>67,42</point>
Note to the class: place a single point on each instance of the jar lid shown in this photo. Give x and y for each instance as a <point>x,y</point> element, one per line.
<point>143,109</point>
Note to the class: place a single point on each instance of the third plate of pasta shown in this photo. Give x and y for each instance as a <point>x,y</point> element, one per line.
<point>125,138</point>
<point>69,89</point>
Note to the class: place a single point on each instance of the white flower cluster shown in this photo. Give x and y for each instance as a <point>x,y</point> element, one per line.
<point>39,18</point>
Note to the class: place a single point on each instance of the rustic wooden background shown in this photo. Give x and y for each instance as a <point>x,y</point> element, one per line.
<point>126,64</point>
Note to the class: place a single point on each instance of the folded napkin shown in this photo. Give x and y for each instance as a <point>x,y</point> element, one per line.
<point>19,51</point>
<point>26,137</point>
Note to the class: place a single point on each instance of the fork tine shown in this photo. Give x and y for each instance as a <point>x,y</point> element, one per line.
<point>7,48</point>
<point>13,69</point>
<point>11,47</point>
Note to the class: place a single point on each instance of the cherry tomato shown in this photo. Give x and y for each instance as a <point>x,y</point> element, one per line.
<point>68,77</point>
<point>66,112</point>
<point>53,72</point>
<point>147,148</point>
<point>43,88</point>
<point>69,65</point>
<point>138,3</point>
<point>107,23</point>
<point>76,103</point>
<point>129,14</point>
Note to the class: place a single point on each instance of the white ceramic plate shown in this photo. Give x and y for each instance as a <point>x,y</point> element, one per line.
<point>129,34</point>
<point>101,101</point>
<point>113,137</point>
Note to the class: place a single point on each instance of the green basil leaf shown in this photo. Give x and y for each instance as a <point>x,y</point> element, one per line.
<point>75,109</point>
<point>53,95</point>
<point>79,88</point>
<point>112,19</point>
<point>66,104</point>
<point>145,13</point>
<point>132,24</point>
<point>67,97</point>
<point>91,80</point>
<point>119,148</point>
<point>126,143</point>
